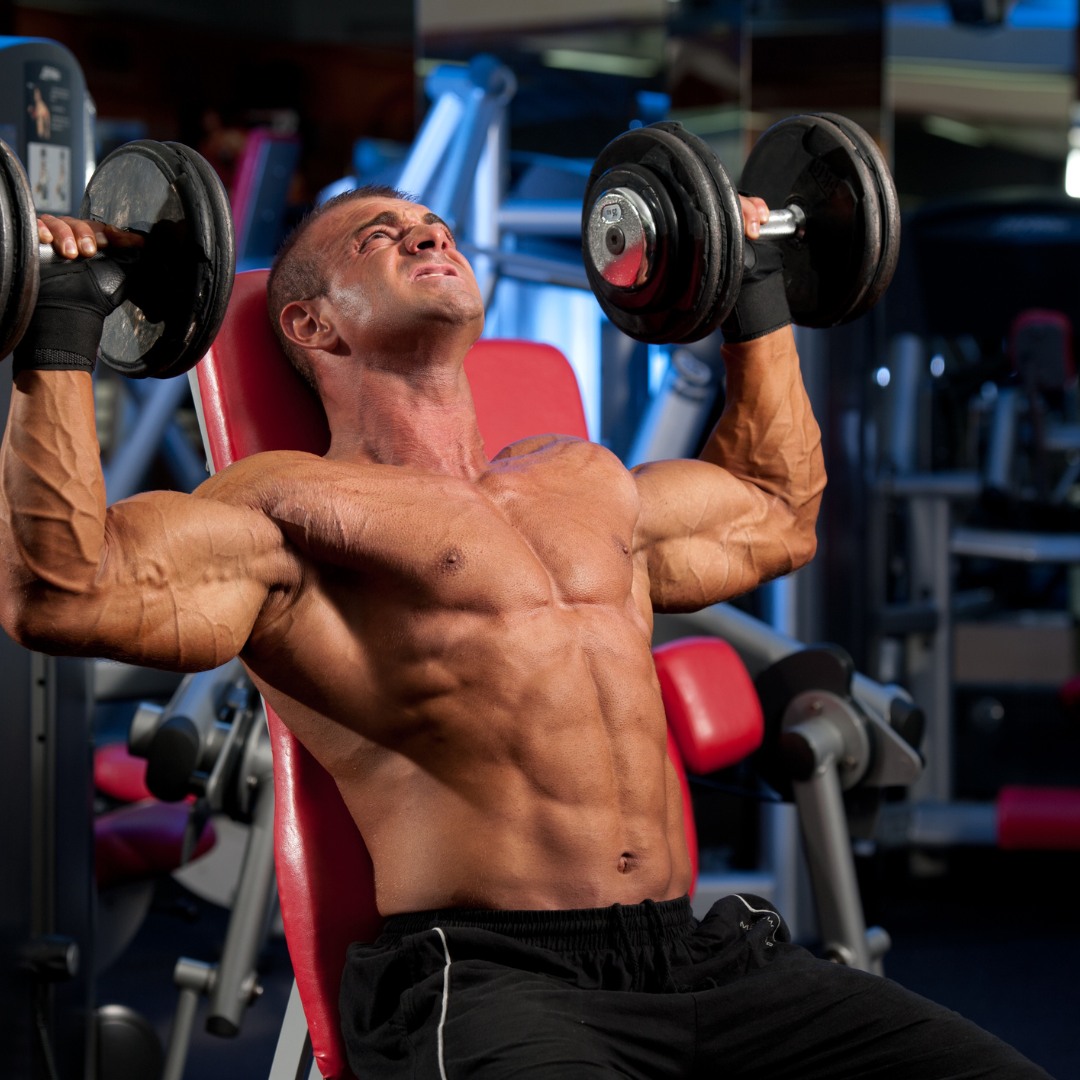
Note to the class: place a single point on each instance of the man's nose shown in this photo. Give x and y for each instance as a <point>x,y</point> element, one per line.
<point>427,237</point>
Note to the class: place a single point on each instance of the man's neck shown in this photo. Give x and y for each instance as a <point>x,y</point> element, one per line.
<point>390,415</point>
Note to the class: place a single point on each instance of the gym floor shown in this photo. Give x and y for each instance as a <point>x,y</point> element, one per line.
<point>994,935</point>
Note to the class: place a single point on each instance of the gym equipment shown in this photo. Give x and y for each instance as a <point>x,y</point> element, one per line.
<point>186,746</point>
<point>835,740</point>
<point>19,246</point>
<point>52,940</point>
<point>823,751</point>
<point>662,235</point>
<point>983,512</point>
<point>259,195</point>
<point>176,296</point>
<point>836,177</point>
<point>211,741</point>
<point>135,846</point>
<point>1021,815</point>
<point>662,229</point>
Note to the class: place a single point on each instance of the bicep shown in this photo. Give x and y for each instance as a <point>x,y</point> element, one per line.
<point>706,535</point>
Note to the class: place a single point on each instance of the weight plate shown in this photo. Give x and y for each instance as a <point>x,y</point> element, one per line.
<point>810,162</point>
<point>726,235</point>
<point>180,285</point>
<point>675,299</point>
<point>19,251</point>
<point>218,243</point>
<point>632,202</point>
<point>890,205</point>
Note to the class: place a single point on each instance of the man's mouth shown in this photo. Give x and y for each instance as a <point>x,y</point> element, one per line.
<point>434,270</point>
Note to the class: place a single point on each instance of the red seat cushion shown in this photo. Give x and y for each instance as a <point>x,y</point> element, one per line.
<point>119,774</point>
<point>712,706</point>
<point>1038,818</point>
<point>143,840</point>
<point>325,884</point>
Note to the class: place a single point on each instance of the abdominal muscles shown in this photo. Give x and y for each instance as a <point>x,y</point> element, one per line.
<point>525,767</point>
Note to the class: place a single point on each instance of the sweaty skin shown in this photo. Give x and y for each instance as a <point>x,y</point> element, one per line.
<point>463,643</point>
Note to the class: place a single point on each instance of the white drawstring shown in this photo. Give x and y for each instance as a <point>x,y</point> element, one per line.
<point>445,1004</point>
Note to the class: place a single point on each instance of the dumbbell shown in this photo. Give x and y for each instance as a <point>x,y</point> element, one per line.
<point>180,279</point>
<point>662,226</point>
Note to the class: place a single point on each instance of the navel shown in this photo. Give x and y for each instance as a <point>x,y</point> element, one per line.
<point>626,862</point>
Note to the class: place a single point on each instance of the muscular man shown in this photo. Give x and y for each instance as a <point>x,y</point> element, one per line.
<point>464,644</point>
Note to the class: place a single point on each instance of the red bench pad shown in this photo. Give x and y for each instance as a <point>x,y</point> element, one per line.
<point>712,706</point>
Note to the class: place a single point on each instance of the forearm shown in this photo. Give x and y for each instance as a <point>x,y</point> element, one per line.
<point>767,434</point>
<point>52,494</point>
<point>708,534</point>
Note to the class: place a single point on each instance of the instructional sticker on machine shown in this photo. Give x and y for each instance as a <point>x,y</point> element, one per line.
<point>48,142</point>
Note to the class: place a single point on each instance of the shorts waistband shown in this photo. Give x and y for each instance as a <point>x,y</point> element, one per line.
<point>585,928</point>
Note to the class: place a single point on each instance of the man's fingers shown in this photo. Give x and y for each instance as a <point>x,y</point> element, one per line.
<point>755,213</point>
<point>72,237</point>
<point>69,237</point>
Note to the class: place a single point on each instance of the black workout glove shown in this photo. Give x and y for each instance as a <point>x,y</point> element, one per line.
<point>74,299</point>
<point>762,304</point>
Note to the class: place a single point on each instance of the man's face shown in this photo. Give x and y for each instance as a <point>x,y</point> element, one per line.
<point>394,269</point>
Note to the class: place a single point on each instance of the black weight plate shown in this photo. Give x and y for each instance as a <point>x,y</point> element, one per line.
<point>645,311</point>
<point>723,278</point>
<point>185,271</point>
<point>810,162</point>
<point>650,269</point>
<point>18,251</point>
<point>671,305</point>
<point>890,207</point>
<point>218,243</point>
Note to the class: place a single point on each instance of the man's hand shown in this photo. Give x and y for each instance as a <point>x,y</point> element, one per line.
<point>75,297</point>
<point>71,237</point>
<point>762,305</point>
<point>755,213</point>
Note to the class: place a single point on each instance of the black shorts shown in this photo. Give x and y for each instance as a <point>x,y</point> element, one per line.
<point>642,991</point>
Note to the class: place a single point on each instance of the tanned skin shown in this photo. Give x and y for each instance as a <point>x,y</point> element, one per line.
<point>463,643</point>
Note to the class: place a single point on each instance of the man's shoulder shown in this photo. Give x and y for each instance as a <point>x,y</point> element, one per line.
<point>555,445</point>
<point>246,479</point>
<point>559,460</point>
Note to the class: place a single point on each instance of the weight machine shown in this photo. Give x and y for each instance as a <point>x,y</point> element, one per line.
<point>1008,318</point>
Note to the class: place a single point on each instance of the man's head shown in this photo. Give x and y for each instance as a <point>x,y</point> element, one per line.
<point>364,268</point>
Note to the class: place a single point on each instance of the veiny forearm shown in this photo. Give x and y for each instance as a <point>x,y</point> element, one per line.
<point>708,534</point>
<point>52,507</point>
<point>767,434</point>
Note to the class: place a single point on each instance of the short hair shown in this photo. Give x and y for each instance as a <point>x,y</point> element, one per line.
<point>299,273</point>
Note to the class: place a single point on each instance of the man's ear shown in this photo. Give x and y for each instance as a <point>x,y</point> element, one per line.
<point>304,324</point>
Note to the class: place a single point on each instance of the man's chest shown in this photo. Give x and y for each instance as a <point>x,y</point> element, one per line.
<point>440,585</point>
<point>545,528</point>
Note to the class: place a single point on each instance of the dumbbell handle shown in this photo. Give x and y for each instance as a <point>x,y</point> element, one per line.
<point>125,257</point>
<point>791,221</point>
<point>47,255</point>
